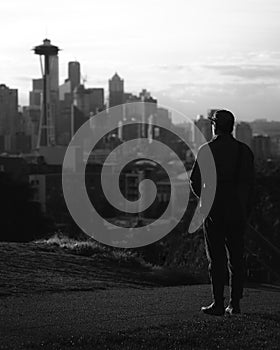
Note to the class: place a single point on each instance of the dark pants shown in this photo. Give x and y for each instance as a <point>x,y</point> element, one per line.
<point>224,241</point>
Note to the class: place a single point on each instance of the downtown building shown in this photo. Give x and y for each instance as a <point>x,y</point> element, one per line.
<point>261,147</point>
<point>202,131</point>
<point>76,104</point>
<point>243,132</point>
<point>13,138</point>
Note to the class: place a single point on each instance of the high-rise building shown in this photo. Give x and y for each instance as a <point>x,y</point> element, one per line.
<point>116,91</point>
<point>54,93</point>
<point>203,127</point>
<point>64,89</point>
<point>275,146</point>
<point>8,110</point>
<point>35,96</point>
<point>54,75</point>
<point>150,110</point>
<point>266,127</point>
<point>89,101</point>
<point>261,146</point>
<point>139,112</point>
<point>74,74</point>
<point>116,98</point>
<point>163,117</point>
<point>12,123</point>
<point>243,133</point>
<point>63,123</point>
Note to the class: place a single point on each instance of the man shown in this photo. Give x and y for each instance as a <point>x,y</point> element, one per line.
<point>225,225</point>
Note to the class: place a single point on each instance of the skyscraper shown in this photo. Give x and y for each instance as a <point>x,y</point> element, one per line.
<point>8,110</point>
<point>261,145</point>
<point>54,74</point>
<point>35,96</point>
<point>243,133</point>
<point>205,128</point>
<point>116,98</point>
<point>116,91</point>
<point>12,129</point>
<point>74,74</point>
<point>89,101</point>
<point>34,110</point>
<point>150,110</point>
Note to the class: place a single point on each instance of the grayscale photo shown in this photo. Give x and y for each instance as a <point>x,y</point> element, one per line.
<point>140,174</point>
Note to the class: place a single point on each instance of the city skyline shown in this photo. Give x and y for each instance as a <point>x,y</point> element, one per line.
<point>192,56</point>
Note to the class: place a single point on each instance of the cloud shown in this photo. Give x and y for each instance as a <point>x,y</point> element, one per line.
<point>187,101</point>
<point>23,78</point>
<point>174,67</point>
<point>247,71</point>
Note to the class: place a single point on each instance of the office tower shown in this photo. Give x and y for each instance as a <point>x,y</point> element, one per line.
<point>13,137</point>
<point>64,89</point>
<point>261,146</point>
<point>116,91</point>
<point>150,104</point>
<point>139,112</point>
<point>116,98</point>
<point>89,101</point>
<point>63,123</point>
<point>275,146</point>
<point>28,127</point>
<point>129,97</point>
<point>74,74</point>
<point>35,96</point>
<point>8,110</point>
<point>243,133</point>
<point>266,127</point>
<point>203,127</point>
<point>54,74</point>
<point>150,110</point>
<point>163,117</point>
<point>96,99</point>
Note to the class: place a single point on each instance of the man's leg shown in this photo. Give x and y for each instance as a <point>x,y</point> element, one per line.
<point>216,254</point>
<point>235,248</point>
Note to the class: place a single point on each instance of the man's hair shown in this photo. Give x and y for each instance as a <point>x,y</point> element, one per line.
<point>224,120</point>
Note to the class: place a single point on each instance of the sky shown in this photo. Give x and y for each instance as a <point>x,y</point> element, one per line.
<point>191,54</point>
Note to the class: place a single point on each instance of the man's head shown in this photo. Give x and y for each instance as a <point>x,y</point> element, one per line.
<point>223,121</point>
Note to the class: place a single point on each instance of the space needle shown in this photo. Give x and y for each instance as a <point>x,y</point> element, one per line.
<point>46,136</point>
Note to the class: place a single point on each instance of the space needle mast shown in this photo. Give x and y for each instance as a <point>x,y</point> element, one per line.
<point>46,136</point>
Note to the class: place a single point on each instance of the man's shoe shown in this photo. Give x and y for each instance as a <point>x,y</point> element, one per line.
<point>233,309</point>
<point>213,309</point>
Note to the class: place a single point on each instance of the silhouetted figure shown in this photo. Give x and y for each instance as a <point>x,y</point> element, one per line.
<point>225,225</point>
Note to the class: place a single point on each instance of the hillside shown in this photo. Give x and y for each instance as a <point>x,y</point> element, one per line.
<point>53,298</point>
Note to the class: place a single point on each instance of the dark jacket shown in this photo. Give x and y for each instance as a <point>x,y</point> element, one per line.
<point>234,163</point>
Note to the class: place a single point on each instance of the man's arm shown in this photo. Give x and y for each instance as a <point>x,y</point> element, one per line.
<point>251,178</point>
<point>195,178</point>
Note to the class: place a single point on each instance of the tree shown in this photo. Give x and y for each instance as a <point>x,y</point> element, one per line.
<point>21,218</point>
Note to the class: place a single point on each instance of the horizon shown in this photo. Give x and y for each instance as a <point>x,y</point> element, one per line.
<point>175,50</point>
